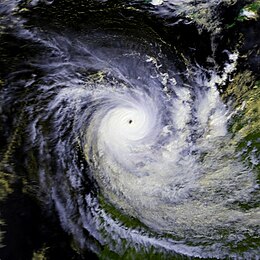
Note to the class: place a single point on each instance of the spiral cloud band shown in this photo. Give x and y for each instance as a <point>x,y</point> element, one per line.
<point>158,150</point>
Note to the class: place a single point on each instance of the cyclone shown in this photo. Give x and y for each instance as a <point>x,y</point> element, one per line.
<point>131,142</point>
